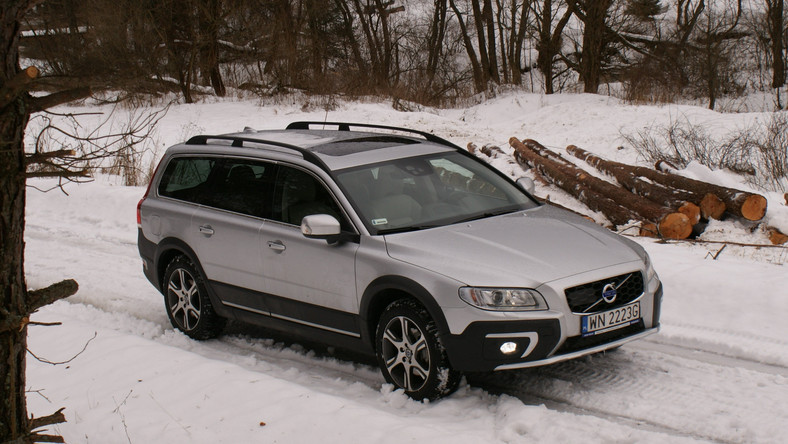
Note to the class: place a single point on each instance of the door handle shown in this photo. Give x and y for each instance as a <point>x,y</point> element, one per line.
<point>277,246</point>
<point>206,230</point>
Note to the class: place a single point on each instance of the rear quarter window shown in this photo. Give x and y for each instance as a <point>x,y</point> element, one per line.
<point>185,178</point>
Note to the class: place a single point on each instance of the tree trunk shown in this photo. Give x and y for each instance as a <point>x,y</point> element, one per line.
<point>594,17</point>
<point>774,14</point>
<point>209,13</point>
<point>479,81</point>
<point>13,341</point>
<point>617,204</point>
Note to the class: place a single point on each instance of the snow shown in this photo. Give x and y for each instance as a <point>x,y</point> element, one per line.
<point>717,372</point>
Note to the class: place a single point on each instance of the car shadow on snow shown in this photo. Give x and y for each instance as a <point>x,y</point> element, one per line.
<point>550,384</point>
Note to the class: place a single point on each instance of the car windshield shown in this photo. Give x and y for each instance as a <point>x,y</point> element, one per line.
<point>429,191</point>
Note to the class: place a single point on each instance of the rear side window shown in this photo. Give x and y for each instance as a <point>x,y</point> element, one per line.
<point>185,178</point>
<point>242,186</point>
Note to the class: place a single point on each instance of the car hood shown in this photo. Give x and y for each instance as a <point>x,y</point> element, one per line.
<point>522,249</point>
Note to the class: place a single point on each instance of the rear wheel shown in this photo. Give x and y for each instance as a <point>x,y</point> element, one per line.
<point>187,302</point>
<point>410,354</point>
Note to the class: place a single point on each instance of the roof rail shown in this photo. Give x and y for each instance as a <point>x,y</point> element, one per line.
<point>345,126</point>
<point>239,142</point>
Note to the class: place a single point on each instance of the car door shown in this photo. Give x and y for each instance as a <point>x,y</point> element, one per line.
<point>312,282</point>
<point>226,230</point>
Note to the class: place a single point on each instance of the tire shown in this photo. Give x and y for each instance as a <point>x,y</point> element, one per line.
<point>186,300</point>
<point>410,354</point>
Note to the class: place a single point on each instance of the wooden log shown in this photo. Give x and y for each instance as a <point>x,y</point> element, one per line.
<point>547,169</point>
<point>617,204</point>
<point>750,206</point>
<point>776,237</point>
<point>685,202</point>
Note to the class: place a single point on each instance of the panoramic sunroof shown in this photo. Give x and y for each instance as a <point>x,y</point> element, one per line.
<point>352,146</point>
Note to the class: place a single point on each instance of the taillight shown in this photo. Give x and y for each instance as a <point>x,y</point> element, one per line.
<point>139,216</point>
<point>147,190</point>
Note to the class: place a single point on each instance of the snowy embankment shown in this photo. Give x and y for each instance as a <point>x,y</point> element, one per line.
<point>717,372</point>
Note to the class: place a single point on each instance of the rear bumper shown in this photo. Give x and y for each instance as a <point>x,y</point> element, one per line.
<point>147,251</point>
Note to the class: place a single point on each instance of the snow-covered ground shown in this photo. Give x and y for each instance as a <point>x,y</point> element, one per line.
<point>717,372</point>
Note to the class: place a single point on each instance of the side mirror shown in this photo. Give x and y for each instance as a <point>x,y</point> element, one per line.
<point>321,226</point>
<point>527,184</point>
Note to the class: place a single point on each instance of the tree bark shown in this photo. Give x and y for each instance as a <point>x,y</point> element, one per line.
<point>13,120</point>
<point>618,205</point>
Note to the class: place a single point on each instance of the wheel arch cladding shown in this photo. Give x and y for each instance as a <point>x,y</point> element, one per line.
<point>168,250</point>
<point>386,289</point>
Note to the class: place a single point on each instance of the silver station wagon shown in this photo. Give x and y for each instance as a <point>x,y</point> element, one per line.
<point>389,241</point>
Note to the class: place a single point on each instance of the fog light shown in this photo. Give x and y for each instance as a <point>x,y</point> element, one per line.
<point>508,348</point>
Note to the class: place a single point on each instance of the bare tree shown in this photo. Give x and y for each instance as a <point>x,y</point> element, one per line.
<point>479,78</point>
<point>594,15</point>
<point>714,43</point>
<point>776,32</point>
<point>548,37</point>
<point>17,303</point>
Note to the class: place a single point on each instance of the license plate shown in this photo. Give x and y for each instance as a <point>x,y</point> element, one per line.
<point>610,320</point>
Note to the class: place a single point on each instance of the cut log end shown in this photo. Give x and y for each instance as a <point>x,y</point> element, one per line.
<point>711,207</point>
<point>754,207</point>
<point>690,210</point>
<point>647,229</point>
<point>675,226</point>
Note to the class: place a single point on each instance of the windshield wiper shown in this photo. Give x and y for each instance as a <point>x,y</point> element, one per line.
<point>487,214</point>
<point>408,228</point>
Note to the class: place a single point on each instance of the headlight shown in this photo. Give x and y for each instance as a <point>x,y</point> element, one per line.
<point>650,271</point>
<point>504,299</point>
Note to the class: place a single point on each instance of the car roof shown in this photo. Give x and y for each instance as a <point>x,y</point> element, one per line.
<point>331,149</point>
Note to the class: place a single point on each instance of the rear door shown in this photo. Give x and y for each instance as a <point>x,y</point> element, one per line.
<point>225,229</point>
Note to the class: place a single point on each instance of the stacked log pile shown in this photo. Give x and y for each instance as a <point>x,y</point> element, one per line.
<point>666,204</point>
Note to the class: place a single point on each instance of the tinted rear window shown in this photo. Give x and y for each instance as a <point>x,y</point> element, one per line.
<point>185,178</point>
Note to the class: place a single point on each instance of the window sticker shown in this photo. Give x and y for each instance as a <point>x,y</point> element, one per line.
<point>383,221</point>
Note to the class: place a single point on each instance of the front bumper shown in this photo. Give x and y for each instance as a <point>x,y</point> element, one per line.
<point>536,342</point>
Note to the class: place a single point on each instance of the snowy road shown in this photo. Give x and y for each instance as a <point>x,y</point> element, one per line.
<point>717,372</point>
<point>693,382</point>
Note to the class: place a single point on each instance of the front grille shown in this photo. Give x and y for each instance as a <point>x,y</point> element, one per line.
<point>587,298</point>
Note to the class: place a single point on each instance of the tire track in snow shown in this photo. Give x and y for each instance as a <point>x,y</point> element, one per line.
<point>636,423</point>
<point>665,393</point>
<point>709,356</point>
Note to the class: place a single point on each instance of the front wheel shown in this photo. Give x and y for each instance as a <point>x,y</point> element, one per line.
<point>188,305</point>
<point>410,354</point>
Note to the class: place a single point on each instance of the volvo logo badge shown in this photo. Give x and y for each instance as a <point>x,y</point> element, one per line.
<point>609,293</point>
